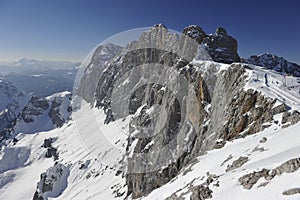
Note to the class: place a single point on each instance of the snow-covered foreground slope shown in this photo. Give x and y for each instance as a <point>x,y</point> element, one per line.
<point>267,149</point>
<point>22,164</point>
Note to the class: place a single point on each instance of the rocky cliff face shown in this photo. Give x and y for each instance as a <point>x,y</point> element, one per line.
<point>100,57</point>
<point>274,62</point>
<point>36,114</point>
<point>60,109</point>
<point>226,113</point>
<point>220,46</point>
<point>36,106</point>
<point>12,100</point>
<point>180,107</point>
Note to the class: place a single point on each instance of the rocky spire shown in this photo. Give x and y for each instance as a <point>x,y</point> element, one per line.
<point>220,46</point>
<point>195,32</point>
<point>221,32</point>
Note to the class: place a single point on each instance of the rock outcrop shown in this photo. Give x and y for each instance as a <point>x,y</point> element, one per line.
<point>52,182</point>
<point>51,151</point>
<point>195,32</point>
<point>92,72</point>
<point>39,114</point>
<point>292,191</point>
<point>200,193</point>
<point>237,163</point>
<point>60,109</point>
<point>36,106</point>
<point>249,180</point>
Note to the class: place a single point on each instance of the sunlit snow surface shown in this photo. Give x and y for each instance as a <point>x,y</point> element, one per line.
<point>286,89</point>
<point>281,145</point>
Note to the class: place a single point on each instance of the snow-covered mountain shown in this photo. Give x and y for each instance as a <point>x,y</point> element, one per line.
<point>21,112</point>
<point>40,77</point>
<point>92,71</point>
<point>186,128</point>
<point>12,101</point>
<point>38,64</point>
<point>43,114</point>
<point>274,62</point>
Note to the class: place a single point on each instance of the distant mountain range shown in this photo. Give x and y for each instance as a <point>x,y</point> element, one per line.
<point>274,62</point>
<point>35,63</point>
<point>41,77</point>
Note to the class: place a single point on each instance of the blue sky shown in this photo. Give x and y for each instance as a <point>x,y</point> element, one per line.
<point>70,29</point>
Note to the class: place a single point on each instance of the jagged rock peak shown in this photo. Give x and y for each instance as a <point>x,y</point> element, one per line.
<point>274,62</point>
<point>195,32</point>
<point>221,32</point>
<point>220,46</point>
<point>160,25</point>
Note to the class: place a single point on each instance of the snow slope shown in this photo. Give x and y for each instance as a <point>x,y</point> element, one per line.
<point>93,182</point>
<point>286,89</point>
<point>281,145</point>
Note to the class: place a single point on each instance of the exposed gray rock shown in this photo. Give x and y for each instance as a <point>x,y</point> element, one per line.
<point>218,110</point>
<point>200,193</point>
<point>220,46</point>
<point>35,107</point>
<point>263,140</point>
<point>220,144</point>
<point>227,159</point>
<point>13,100</point>
<point>237,163</point>
<point>92,72</point>
<point>60,109</point>
<point>160,26</point>
<point>210,179</point>
<point>248,180</point>
<point>57,106</point>
<point>292,191</point>
<point>85,164</point>
<point>280,109</point>
<point>48,142</point>
<point>274,62</point>
<point>286,167</point>
<point>259,149</point>
<point>52,182</point>
<point>51,151</point>
<point>290,118</point>
<point>175,197</point>
<point>233,111</point>
<point>264,184</point>
<point>195,32</point>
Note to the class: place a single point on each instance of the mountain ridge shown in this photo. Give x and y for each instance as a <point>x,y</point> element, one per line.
<point>274,62</point>
<point>162,120</point>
